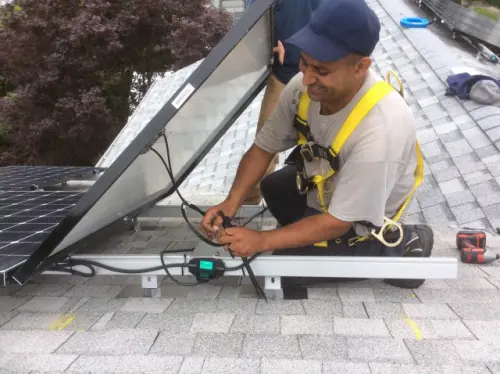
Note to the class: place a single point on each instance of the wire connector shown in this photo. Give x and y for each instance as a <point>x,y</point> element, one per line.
<point>206,269</point>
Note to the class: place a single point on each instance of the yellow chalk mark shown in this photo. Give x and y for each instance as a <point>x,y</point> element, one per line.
<point>414,327</point>
<point>62,322</point>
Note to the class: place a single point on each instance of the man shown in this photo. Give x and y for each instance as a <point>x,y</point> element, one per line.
<point>375,170</point>
<point>289,17</point>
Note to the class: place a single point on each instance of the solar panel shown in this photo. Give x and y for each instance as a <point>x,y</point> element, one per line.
<point>155,98</point>
<point>33,177</point>
<point>26,220</point>
<point>193,119</point>
<point>466,20</point>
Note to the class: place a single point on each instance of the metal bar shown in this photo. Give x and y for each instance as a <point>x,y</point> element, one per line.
<point>174,211</point>
<point>304,266</point>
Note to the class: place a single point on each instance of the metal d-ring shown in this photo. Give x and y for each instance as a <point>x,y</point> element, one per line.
<point>380,235</point>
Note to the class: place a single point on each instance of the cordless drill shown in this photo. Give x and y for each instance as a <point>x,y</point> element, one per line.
<point>472,246</point>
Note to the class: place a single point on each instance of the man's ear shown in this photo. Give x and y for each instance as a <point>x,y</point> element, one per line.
<point>363,65</point>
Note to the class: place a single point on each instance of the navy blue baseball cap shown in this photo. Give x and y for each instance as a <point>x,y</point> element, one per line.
<point>338,28</point>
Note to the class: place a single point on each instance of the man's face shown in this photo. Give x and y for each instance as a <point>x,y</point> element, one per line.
<point>328,82</point>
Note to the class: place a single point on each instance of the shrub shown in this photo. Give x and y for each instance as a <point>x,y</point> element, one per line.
<point>67,68</point>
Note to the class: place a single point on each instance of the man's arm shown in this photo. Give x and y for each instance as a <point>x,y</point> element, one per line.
<point>307,231</point>
<point>250,171</point>
<point>277,135</point>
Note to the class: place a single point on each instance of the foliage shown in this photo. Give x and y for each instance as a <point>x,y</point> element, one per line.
<point>494,2</point>
<point>487,12</point>
<point>67,82</point>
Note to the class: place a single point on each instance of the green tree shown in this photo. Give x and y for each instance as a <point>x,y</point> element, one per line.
<point>67,81</point>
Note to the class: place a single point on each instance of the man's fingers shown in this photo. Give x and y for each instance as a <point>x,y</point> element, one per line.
<point>207,223</point>
<point>217,222</point>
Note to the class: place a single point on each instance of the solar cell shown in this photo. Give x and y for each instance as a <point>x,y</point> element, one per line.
<point>33,177</point>
<point>26,220</point>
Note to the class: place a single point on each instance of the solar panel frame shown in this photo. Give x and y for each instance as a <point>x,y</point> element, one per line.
<point>34,177</point>
<point>43,257</point>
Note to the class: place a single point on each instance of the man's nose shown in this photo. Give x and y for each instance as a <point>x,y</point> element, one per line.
<point>308,78</point>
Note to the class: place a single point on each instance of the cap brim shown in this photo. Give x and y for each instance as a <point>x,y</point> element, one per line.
<point>317,46</point>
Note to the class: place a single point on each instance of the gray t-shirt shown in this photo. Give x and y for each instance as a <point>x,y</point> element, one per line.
<point>377,162</point>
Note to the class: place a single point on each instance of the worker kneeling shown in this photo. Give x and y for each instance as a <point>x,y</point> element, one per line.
<point>355,162</point>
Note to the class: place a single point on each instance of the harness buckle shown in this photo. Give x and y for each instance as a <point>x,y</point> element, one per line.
<point>307,152</point>
<point>302,186</point>
<point>380,234</point>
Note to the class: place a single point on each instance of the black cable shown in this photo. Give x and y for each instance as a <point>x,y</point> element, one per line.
<point>67,265</point>
<point>226,220</point>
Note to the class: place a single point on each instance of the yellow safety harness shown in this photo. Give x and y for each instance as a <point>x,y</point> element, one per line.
<point>307,151</point>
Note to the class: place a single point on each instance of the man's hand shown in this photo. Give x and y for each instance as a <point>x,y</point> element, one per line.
<point>280,50</point>
<point>212,221</point>
<point>241,241</point>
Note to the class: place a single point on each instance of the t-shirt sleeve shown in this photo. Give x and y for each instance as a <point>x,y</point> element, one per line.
<point>278,134</point>
<point>360,188</point>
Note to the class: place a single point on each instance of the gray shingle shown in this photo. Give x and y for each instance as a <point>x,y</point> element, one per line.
<point>263,345</point>
<point>147,305</point>
<point>323,347</point>
<point>384,310</point>
<point>109,343</point>
<point>214,344</point>
<point>484,330</point>
<point>223,365</point>
<point>429,311</point>
<point>356,294</point>
<point>378,350</point>
<point>438,214</point>
<point>476,351</point>
<point>128,363</point>
<point>431,351</point>
<point>476,177</point>
<point>369,327</point>
<point>452,186</point>
<point>50,321</point>
<point>428,329</point>
<point>39,342</point>
<point>434,368</point>
<point>212,322</point>
<point>192,365</point>
<point>280,307</point>
<point>173,344</point>
<point>47,290</point>
<point>458,148</point>
<point>302,325</point>
<point>9,303</point>
<point>256,324</point>
<point>124,320</point>
<point>169,323</point>
<point>486,193</point>
<point>278,366</point>
<point>40,362</point>
<point>469,163</point>
<point>330,367</point>
<point>467,213</point>
<point>43,304</point>
<point>476,137</point>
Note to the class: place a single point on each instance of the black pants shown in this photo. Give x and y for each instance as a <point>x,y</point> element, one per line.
<point>287,206</point>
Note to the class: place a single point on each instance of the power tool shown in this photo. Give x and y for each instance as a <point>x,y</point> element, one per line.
<point>477,256</point>
<point>472,246</point>
<point>471,238</point>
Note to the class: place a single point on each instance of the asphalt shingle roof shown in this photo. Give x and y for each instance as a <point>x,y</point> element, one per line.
<point>67,323</point>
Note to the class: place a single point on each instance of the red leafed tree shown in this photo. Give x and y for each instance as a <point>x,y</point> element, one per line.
<point>67,83</point>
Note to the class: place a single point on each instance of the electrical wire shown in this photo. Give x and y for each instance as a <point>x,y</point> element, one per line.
<point>67,266</point>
